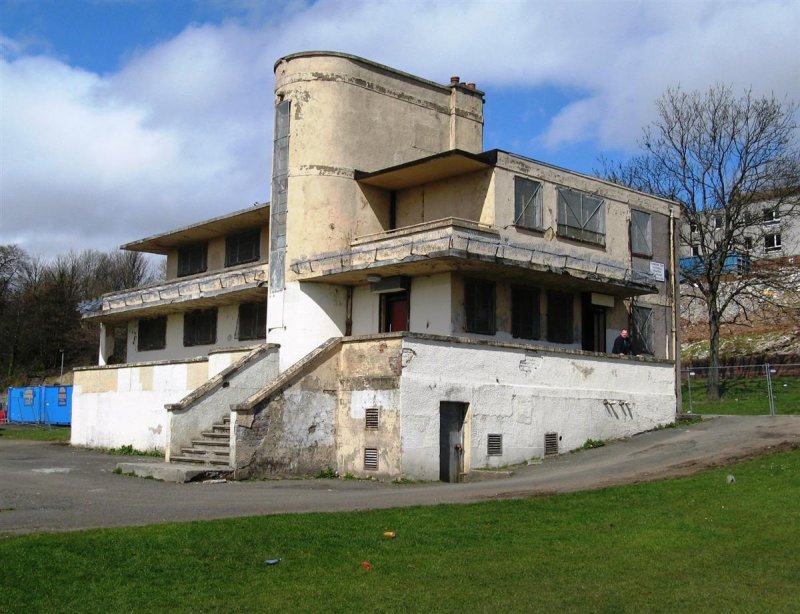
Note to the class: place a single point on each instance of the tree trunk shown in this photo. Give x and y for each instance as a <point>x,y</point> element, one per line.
<point>712,393</point>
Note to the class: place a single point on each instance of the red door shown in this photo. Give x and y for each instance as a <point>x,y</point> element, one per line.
<point>396,312</point>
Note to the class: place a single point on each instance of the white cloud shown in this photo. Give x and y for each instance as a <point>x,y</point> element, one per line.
<point>183,130</point>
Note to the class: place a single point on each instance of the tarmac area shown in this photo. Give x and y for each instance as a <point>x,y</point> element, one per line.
<point>55,487</point>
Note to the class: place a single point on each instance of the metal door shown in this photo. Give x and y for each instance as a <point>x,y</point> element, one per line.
<point>451,441</point>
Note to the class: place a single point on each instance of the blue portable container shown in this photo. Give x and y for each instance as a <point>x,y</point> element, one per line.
<point>40,404</point>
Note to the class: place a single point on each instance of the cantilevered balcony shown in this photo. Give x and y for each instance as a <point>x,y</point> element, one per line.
<point>232,285</point>
<point>454,244</point>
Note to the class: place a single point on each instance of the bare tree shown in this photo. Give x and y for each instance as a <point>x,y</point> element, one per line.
<point>725,159</point>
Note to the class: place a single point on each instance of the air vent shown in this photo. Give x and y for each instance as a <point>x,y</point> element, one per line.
<point>371,419</point>
<point>495,444</point>
<point>551,443</point>
<point>371,459</point>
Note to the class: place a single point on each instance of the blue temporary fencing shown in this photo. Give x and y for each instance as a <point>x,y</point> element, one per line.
<point>40,404</point>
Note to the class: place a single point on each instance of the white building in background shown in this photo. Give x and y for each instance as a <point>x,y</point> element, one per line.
<point>431,308</point>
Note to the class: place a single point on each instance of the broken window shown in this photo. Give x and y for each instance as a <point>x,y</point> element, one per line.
<point>152,334</point>
<point>243,247</point>
<point>559,317</point>
<point>527,203</point>
<point>641,233</point>
<point>524,312</point>
<point>252,322</point>
<point>643,333</point>
<point>192,259</point>
<point>479,300</point>
<point>200,327</point>
<point>772,242</point>
<point>581,216</point>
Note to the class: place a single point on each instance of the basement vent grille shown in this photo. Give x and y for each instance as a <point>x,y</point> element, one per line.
<point>550,444</point>
<point>371,459</point>
<point>371,419</point>
<point>495,444</point>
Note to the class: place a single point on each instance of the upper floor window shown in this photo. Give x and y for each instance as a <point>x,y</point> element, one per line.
<point>581,216</point>
<point>559,317</point>
<point>479,301</point>
<point>252,321</point>
<point>527,203</point>
<point>748,242</point>
<point>524,312</point>
<point>772,215</point>
<point>152,334</point>
<point>641,233</point>
<point>242,247</point>
<point>200,327</point>
<point>695,250</point>
<point>717,221</point>
<point>772,242</point>
<point>192,259</point>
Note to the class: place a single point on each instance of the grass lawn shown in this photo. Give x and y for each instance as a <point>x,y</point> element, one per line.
<point>36,433</point>
<point>746,396</point>
<point>696,544</point>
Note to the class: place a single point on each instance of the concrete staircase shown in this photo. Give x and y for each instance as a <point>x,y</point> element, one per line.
<point>212,449</point>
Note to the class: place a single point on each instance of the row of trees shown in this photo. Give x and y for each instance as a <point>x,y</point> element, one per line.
<point>39,307</point>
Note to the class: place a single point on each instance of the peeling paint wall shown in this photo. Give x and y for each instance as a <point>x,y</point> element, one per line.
<point>521,395</point>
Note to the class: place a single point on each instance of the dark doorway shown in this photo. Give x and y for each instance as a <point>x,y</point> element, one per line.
<point>451,441</point>
<point>395,312</point>
<point>593,336</point>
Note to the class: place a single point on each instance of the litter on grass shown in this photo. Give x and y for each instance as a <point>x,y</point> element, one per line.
<point>272,561</point>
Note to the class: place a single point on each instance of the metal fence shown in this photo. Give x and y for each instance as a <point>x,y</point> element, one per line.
<point>757,389</point>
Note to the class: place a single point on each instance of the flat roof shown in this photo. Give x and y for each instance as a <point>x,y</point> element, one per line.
<point>426,170</point>
<point>257,215</point>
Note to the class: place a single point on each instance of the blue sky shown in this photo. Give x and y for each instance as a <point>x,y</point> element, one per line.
<point>124,118</point>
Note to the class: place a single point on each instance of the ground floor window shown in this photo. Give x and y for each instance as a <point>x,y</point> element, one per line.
<point>479,302</point>
<point>559,317</point>
<point>152,334</point>
<point>252,323</point>
<point>524,312</point>
<point>200,327</point>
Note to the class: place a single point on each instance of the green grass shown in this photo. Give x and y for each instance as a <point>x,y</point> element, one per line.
<point>694,544</point>
<point>744,396</point>
<point>54,433</point>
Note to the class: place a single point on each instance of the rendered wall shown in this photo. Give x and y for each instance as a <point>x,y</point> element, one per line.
<point>522,394</point>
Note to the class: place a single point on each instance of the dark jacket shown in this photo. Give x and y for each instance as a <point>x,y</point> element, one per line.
<point>622,346</point>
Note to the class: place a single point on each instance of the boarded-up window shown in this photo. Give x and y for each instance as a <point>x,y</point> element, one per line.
<point>242,247</point>
<point>524,312</point>
<point>371,419</point>
<point>641,233</point>
<point>559,317</point>
<point>252,323</point>
<point>527,203</point>
<point>643,331</point>
<point>152,334</point>
<point>192,259</point>
<point>371,459</point>
<point>581,216</point>
<point>200,327</point>
<point>479,301</point>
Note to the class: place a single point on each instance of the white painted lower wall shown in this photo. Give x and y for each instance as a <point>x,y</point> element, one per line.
<point>523,394</point>
<point>121,405</point>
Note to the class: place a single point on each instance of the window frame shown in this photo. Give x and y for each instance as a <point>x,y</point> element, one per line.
<point>587,203</point>
<point>560,303</point>
<point>235,244</point>
<point>645,235</point>
<point>771,216</point>
<point>480,295</point>
<point>528,192</point>
<point>192,259</point>
<point>643,329</point>
<point>149,328</point>
<point>775,239</point>
<point>523,297</point>
<point>193,322</point>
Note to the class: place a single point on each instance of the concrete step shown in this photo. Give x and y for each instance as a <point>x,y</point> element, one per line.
<point>201,460</point>
<point>207,448</point>
<point>199,453</point>
<point>219,443</point>
<point>216,435</point>
<point>169,472</point>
